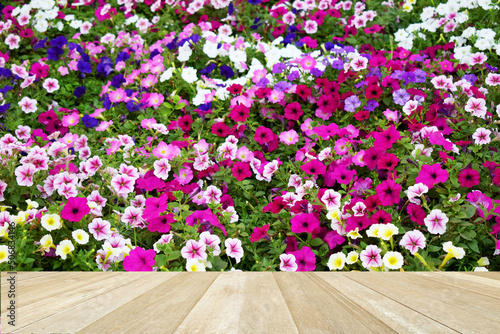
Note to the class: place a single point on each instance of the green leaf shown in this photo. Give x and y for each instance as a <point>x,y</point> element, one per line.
<point>174,255</point>
<point>219,264</point>
<point>473,245</point>
<point>316,242</point>
<point>470,210</point>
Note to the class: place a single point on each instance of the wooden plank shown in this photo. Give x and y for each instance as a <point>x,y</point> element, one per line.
<point>159,310</point>
<point>399,317</point>
<point>318,308</point>
<point>74,319</point>
<point>240,303</point>
<point>490,274</point>
<point>457,308</point>
<point>63,292</point>
<point>476,284</point>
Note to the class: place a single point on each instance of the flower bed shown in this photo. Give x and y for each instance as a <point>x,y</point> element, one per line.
<point>249,135</point>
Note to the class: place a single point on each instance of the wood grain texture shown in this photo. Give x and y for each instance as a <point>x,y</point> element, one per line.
<point>254,302</point>
<point>240,303</point>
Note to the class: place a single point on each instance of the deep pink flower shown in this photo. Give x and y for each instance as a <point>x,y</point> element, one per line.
<point>276,205</point>
<point>384,140</point>
<point>293,111</point>
<point>75,209</point>
<point>204,217</point>
<point>241,170</point>
<point>139,259</point>
<point>161,224</point>
<point>314,167</point>
<point>263,135</point>
<point>343,175</point>
<point>155,206</point>
<point>306,222</point>
<point>417,214</point>
<point>388,192</point>
<point>432,174</point>
<point>469,178</point>
<point>381,217</point>
<point>259,233</point>
<point>388,161</point>
<point>305,259</point>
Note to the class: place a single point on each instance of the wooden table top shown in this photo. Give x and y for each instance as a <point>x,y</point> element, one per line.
<point>253,302</point>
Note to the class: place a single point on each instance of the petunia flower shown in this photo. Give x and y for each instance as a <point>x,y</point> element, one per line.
<point>194,250</point>
<point>287,262</point>
<point>304,223</point>
<point>313,167</point>
<point>469,178</point>
<point>305,259</point>
<point>413,240</point>
<point>259,233</point>
<point>241,170</point>
<point>431,174</point>
<point>336,261</point>
<point>393,260</point>
<point>234,249</point>
<point>388,192</point>
<point>370,257</point>
<point>139,259</point>
<point>75,209</point>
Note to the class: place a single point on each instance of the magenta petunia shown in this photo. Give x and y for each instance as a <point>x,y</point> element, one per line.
<point>139,259</point>
<point>306,222</point>
<point>263,135</point>
<point>469,178</point>
<point>384,140</point>
<point>75,209</point>
<point>205,217</point>
<point>388,192</point>
<point>241,170</point>
<point>305,259</point>
<point>161,224</point>
<point>314,167</point>
<point>432,174</point>
<point>343,175</point>
<point>259,233</point>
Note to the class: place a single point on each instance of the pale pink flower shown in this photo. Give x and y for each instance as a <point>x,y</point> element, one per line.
<point>51,85</point>
<point>63,70</point>
<point>331,199</point>
<point>161,168</point>
<point>234,249</point>
<point>23,132</point>
<point>194,250</point>
<point>212,194</point>
<point>24,174</point>
<point>370,257</point>
<point>415,191</point>
<point>289,137</point>
<point>359,63</point>
<point>212,242</point>
<point>185,176</point>
<point>476,106</point>
<point>310,26</point>
<point>477,58</point>
<point>481,136</point>
<point>436,221</point>
<point>117,96</point>
<point>100,229</point>
<point>71,119</point>
<point>270,169</point>
<point>413,240</point>
<point>228,150</point>
<point>19,71</point>
<point>493,79</point>
<point>244,154</point>
<point>122,184</point>
<point>28,105</point>
<point>3,186</point>
<point>287,262</point>
<point>132,216</point>
<point>359,209</point>
<point>67,190</point>
<point>165,239</point>
<point>12,41</point>
<point>93,164</point>
<point>166,151</point>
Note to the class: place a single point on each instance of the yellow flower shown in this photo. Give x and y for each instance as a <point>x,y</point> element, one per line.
<point>373,231</point>
<point>194,265</point>
<point>354,234</point>
<point>46,243</point>
<point>483,262</point>
<point>64,248</point>
<point>51,222</point>
<point>352,257</point>
<point>337,261</point>
<point>32,204</point>
<point>393,260</point>
<point>4,254</point>
<point>386,231</point>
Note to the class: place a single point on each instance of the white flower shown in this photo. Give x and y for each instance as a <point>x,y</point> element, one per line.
<point>195,265</point>
<point>352,257</point>
<point>457,252</point>
<point>80,236</point>
<point>64,248</point>
<point>28,105</point>
<point>166,75</point>
<point>51,85</point>
<point>51,222</point>
<point>184,52</point>
<point>337,261</point>
<point>393,260</point>
<point>189,74</point>
<point>46,243</point>
<point>4,253</point>
<point>386,231</point>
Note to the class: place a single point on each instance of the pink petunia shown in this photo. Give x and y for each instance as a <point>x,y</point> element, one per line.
<point>289,137</point>
<point>370,257</point>
<point>259,233</point>
<point>234,249</point>
<point>314,167</point>
<point>432,174</point>
<point>100,229</point>
<point>139,259</point>
<point>24,174</point>
<point>75,209</point>
<point>287,262</point>
<point>304,223</point>
<point>331,199</point>
<point>305,259</point>
<point>413,240</point>
<point>436,222</point>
